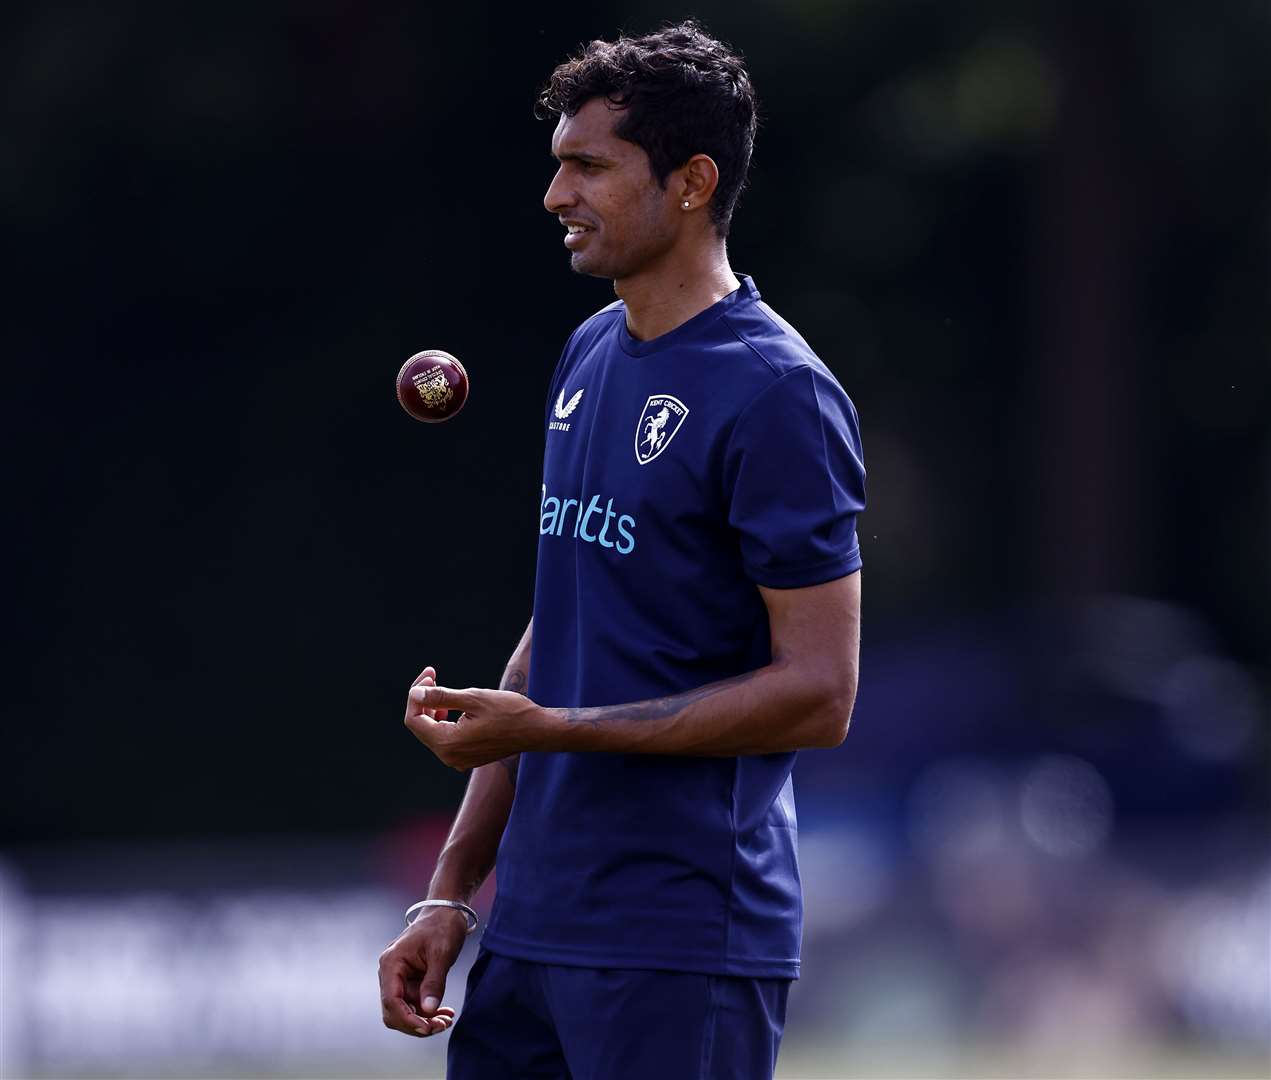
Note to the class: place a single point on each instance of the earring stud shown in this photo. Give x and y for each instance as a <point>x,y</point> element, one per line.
<point>685,204</point>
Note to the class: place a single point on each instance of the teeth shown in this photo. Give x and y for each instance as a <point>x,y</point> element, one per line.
<point>574,229</point>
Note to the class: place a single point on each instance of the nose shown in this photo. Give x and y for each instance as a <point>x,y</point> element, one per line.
<point>559,196</point>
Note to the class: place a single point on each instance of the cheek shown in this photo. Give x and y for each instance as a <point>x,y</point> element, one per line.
<point>613,201</point>
<point>654,222</point>
<point>636,212</point>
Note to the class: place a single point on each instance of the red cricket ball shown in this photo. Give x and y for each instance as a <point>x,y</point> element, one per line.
<point>432,386</point>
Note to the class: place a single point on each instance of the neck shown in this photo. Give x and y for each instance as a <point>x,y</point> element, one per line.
<point>661,297</point>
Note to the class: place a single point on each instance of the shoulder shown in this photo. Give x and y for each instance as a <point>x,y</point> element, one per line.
<point>770,351</point>
<point>580,343</point>
<point>795,417</point>
<point>596,325</point>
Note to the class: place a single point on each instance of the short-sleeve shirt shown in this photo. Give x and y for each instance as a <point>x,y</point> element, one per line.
<point>679,474</point>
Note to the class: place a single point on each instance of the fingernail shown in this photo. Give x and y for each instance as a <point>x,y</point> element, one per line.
<point>423,1031</point>
<point>418,693</point>
<point>430,1004</point>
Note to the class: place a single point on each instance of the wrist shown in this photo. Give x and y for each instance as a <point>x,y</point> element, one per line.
<point>438,907</point>
<point>555,733</point>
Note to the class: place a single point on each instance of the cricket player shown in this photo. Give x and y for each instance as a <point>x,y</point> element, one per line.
<point>695,625</point>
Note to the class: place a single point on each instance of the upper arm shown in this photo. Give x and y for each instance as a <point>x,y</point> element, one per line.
<point>795,482</point>
<point>817,629</point>
<point>521,654</point>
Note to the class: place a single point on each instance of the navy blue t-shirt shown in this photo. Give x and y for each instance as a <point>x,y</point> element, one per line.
<point>679,474</point>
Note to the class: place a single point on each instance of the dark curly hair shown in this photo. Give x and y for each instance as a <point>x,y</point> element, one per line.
<point>682,93</point>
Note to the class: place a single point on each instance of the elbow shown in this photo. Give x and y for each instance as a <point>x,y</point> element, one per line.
<point>834,728</point>
<point>835,715</point>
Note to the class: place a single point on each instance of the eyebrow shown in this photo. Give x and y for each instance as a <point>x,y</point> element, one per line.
<point>586,159</point>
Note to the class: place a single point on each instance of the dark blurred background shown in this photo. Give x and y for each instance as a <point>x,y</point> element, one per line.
<point>1031,240</point>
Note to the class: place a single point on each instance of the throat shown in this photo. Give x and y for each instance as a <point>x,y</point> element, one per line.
<point>657,307</point>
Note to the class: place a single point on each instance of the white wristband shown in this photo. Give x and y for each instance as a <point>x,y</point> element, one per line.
<point>413,912</point>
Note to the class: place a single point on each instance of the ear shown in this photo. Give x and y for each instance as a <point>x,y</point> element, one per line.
<point>696,181</point>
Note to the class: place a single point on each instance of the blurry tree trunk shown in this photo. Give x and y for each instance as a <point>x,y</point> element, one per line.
<point>1088,435</point>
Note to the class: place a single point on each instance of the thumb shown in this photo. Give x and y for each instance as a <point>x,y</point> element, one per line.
<point>432,989</point>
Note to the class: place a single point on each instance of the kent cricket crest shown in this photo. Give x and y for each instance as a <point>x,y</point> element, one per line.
<point>660,420</point>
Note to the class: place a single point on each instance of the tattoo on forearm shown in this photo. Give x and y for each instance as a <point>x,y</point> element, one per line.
<point>514,681</point>
<point>655,708</point>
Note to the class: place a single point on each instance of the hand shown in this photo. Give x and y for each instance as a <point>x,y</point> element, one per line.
<point>413,972</point>
<point>495,724</point>
<point>427,677</point>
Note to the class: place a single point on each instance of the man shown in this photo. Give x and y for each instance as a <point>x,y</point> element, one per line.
<point>696,622</point>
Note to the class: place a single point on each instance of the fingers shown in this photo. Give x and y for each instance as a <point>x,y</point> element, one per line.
<point>436,714</point>
<point>400,986</point>
<point>414,701</point>
<point>437,1023</point>
<point>449,742</point>
<point>399,1016</point>
<point>415,999</point>
<point>440,736</point>
<point>428,731</point>
<point>428,677</point>
<point>429,1016</point>
<point>396,1011</point>
<point>442,698</point>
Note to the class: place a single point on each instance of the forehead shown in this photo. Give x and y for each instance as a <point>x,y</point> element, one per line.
<point>589,132</point>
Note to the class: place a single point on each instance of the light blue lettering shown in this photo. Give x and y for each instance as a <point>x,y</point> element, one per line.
<point>547,520</point>
<point>609,516</point>
<point>593,507</point>
<point>564,509</point>
<point>553,517</point>
<point>628,537</point>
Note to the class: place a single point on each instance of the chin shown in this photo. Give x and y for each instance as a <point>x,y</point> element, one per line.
<point>580,264</point>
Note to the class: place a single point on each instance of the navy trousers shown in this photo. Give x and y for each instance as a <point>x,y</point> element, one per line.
<point>523,1019</point>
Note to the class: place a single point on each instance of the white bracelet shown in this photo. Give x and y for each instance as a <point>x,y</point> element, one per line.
<point>418,906</point>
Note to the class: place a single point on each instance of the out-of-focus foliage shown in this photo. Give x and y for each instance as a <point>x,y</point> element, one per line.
<point>1030,239</point>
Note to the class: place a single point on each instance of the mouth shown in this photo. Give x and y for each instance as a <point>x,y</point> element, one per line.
<point>576,234</point>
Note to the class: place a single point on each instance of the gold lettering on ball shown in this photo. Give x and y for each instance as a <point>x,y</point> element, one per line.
<point>433,387</point>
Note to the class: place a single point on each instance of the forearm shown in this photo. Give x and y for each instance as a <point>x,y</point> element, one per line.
<point>783,706</point>
<point>468,855</point>
<point>803,698</point>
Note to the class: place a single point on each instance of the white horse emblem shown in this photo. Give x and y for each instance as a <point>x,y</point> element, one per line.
<point>660,419</point>
<point>653,433</point>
